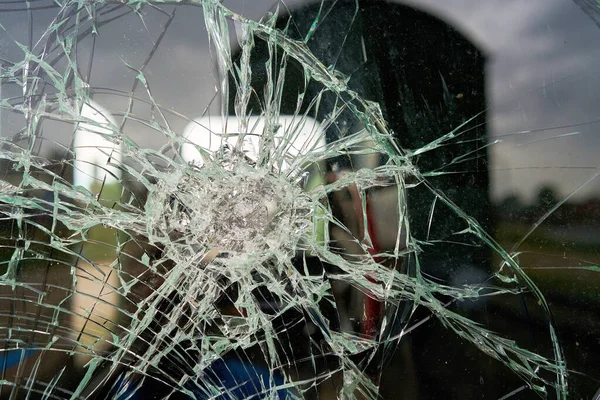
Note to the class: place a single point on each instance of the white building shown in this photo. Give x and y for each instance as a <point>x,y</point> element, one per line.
<point>95,155</point>
<point>296,135</point>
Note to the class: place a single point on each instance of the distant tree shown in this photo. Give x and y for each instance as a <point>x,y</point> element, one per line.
<point>511,203</point>
<point>546,197</point>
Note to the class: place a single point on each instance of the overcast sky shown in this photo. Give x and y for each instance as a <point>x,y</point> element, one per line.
<point>544,58</point>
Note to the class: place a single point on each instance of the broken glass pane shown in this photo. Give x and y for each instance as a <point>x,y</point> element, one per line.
<point>301,199</point>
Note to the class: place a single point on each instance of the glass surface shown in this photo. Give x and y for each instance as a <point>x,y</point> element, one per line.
<point>351,199</point>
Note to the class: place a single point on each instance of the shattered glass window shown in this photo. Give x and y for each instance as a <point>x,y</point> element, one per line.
<point>260,199</point>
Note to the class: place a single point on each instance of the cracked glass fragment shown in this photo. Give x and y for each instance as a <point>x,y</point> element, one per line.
<point>298,199</point>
